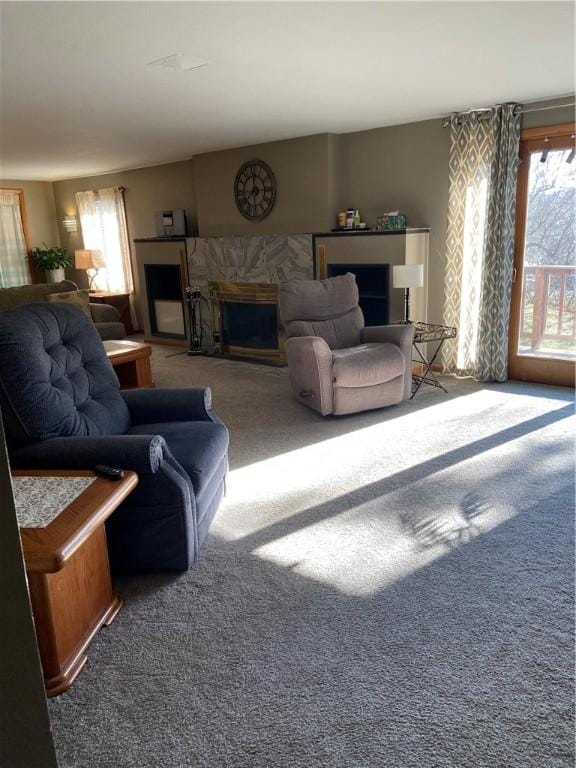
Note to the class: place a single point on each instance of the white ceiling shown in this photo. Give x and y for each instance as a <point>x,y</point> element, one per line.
<point>77,97</point>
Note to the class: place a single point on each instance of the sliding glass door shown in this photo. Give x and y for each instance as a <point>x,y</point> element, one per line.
<point>543,311</point>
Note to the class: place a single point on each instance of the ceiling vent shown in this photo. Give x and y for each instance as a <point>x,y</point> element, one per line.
<point>179,62</point>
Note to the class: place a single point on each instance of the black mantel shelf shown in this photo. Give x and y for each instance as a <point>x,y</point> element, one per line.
<point>335,233</point>
<point>365,232</point>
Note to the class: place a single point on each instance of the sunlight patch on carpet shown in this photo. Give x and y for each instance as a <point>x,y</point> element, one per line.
<point>358,513</point>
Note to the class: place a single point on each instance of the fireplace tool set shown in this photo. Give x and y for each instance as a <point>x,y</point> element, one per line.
<point>194,300</point>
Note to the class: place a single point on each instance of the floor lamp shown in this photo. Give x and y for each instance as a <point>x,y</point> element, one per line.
<point>407,276</point>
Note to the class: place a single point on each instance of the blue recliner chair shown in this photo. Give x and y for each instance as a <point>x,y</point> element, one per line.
<point>63,408</point>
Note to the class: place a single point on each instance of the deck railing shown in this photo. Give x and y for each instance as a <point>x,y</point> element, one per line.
<point>549,307</point>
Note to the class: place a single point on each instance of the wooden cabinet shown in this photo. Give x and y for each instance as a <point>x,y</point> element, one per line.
<point>69,576</point>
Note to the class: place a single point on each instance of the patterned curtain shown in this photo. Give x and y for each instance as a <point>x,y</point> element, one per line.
<point>13,255</point>
<point>484,150</point>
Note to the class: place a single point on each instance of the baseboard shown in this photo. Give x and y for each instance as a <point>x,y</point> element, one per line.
<point>166,342</point>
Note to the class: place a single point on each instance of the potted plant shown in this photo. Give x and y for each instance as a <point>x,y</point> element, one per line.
<point>52,261</point>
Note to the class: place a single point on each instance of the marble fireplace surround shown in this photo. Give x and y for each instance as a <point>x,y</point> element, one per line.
<point>259,259</point>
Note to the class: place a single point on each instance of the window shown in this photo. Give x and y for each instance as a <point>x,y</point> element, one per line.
<point>103,222</point>
<point>13,248</point>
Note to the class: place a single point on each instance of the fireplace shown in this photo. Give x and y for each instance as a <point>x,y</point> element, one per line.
<point>373,282</point>
<point>245,321</point>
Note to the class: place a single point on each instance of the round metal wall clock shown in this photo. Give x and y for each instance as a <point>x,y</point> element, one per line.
<point>255,190</point>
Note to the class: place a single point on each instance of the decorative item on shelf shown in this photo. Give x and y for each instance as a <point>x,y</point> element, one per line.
<point>52,261</point>
<point>391,221</point>
<point>70,223</point>
<point>194,300</point>
<point>407,276</point>
<point>89,260</point>
<point>349,220</point>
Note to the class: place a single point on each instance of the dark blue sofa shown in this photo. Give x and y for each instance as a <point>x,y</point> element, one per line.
<point>62,408</point>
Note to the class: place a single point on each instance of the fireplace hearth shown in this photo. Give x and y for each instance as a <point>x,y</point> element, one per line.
<point>245,322</point>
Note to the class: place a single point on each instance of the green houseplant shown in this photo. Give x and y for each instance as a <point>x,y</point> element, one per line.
<point>52,261</point>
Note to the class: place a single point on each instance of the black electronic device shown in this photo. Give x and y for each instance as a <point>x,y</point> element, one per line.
<point>110,473</point>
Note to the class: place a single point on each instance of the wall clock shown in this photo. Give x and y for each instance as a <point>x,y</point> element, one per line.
<point>255,190</point>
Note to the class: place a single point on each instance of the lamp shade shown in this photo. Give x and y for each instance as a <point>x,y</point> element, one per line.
<point>408,276</point>
<point>87,259</point>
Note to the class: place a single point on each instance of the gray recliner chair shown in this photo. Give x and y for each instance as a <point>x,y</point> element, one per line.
<point>337,365</point>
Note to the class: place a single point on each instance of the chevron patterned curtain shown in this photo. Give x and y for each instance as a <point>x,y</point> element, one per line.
<point>484,149</point>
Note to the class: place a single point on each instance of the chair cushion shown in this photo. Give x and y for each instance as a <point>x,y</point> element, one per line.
<point>337,332</point>
<point>367,365</point>
<point>317,299</point>
<point>198,446</point>
<point>55,378</point>
<point>325,308</point>
<point>79,298</point>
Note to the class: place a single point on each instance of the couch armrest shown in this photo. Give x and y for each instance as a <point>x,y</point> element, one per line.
<point>402,335</point>
<point>149,406</point>
<point>310,368</point>
<point>143,454</point>
<point>104,313</point>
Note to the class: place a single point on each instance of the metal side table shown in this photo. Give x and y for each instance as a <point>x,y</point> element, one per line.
<point>426,333</point>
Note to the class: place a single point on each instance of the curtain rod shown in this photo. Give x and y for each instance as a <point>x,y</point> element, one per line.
<point>521,111</point>
<point>96,191</point>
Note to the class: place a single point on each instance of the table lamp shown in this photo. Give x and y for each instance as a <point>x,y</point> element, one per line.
<point>407,276</point>
<point>87,259</point>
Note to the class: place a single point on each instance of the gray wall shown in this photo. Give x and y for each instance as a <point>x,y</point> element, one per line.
<point>405,167</point>
<point>303,203</point>
<point>40,210</point>
<point>542,117</point>
<point>147,190</point>
<point>401,167</point>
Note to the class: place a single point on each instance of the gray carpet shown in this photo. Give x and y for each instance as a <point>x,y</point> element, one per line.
<point>388,589</point>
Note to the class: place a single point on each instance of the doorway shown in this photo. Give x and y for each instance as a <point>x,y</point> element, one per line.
<point>542,338</point>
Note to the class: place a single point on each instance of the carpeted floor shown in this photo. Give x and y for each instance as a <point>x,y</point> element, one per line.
<point>391,589</point>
